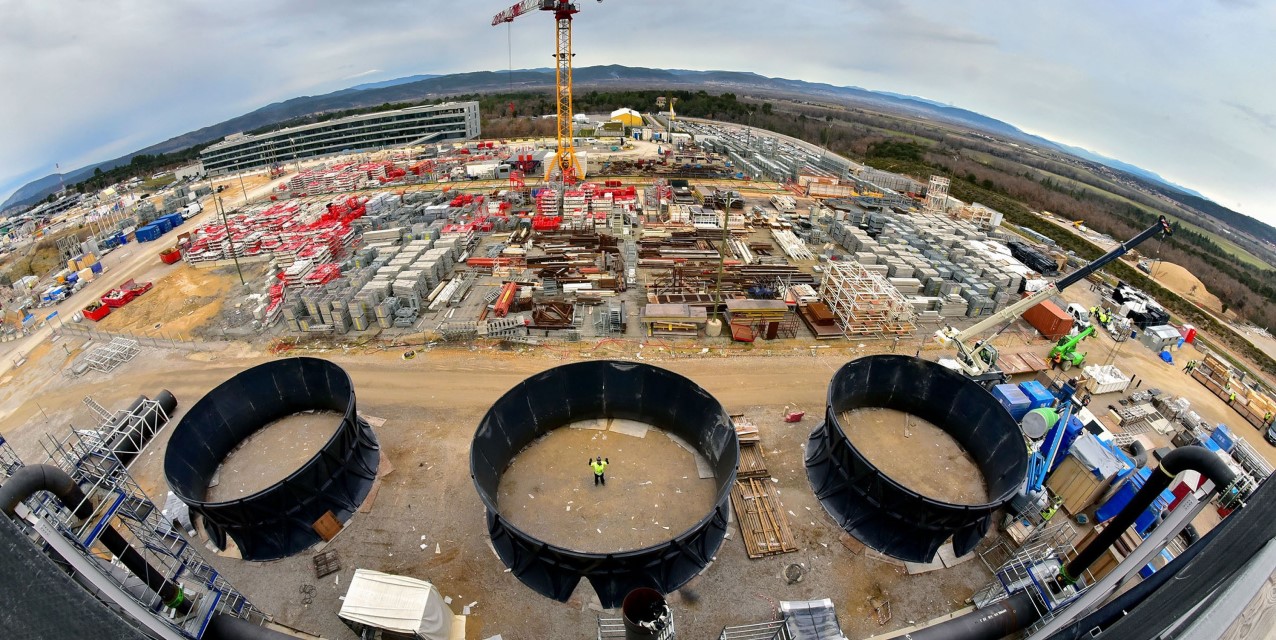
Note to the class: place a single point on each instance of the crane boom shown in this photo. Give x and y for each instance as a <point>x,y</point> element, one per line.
<point>976,361</point>
<point>519,9</point>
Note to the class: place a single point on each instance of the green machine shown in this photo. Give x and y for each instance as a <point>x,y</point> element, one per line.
<point>1064,355</point>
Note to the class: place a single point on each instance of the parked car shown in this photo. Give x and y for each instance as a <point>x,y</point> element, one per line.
<point>1080,316</point>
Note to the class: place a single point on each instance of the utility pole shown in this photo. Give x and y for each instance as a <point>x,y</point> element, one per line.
<point>722,258</point>
<point>229,237</point>
<point>242,187</point>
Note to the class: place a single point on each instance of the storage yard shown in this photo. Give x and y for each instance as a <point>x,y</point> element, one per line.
<point>442,297</point>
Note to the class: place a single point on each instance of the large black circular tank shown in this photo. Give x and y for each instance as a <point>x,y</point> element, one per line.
<point>883,513</point>
<point>604,389</point>
<point>275,522</point>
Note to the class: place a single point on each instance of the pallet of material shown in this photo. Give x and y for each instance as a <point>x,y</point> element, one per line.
<point>814,317</point>
<point>763,523</point>
<point>1015,363</point>
<point>752,462</point>
<point>746,432</point>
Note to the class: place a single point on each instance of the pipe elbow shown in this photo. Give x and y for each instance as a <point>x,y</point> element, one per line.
<point>1199,459</point>
<point>29,480</point>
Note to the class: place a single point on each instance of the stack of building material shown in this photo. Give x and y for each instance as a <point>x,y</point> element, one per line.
<point>792,246</point>
<point>673,319</point>
<point>767,319</point>
<point>864,303</point>
<point>764,526</point>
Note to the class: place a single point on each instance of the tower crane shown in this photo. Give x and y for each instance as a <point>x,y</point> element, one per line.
<point>566,162</point>
<point>979,360</point>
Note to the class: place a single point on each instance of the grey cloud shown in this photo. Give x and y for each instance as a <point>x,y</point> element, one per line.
<point>98,79</point>
<point>1266,120</point>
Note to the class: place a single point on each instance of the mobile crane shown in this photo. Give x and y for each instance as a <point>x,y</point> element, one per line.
<point>979,360</point>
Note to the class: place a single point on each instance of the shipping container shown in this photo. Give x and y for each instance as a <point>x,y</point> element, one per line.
<point>1049,319</point>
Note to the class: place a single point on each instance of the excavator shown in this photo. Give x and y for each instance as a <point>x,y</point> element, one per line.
<point>978,359</point>
<point>1064,354</point>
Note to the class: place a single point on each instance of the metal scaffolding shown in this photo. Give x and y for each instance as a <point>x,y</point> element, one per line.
<point>937,194</point>
<point>864,303</point>
<point>119,503</point>
<point>9,460</point>
<point>110,356</point>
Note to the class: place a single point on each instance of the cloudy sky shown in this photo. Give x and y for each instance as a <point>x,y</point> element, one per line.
<point>1185,88</point>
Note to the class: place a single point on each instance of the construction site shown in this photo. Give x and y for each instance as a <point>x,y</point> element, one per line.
<point>692,380</point>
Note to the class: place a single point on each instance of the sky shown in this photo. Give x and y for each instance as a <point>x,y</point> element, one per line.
<point>1184,88</point>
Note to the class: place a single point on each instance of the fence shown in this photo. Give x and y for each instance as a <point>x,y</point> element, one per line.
<point>157,338</point>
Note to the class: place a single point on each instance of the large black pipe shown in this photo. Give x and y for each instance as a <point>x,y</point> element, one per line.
<point>42,477</point>
<point>278,521</point>
<point>1118,606</point>
<point>560,396</point>
<point>993,622</point>
<point>128,444</point>
<point>228,627</point>
<point>1175,462</point>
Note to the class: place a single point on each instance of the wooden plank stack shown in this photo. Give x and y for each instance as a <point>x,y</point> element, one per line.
<point>752,463</point>
<point>763,523</point>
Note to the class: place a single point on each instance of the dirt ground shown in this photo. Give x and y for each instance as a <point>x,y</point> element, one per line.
<point>182,302</point>
<point>432,404</point>
<point>652,493</point>
<point>272,454</point>
<point>1149,371</point>
<point>233,195</point>
<point>916,453</point>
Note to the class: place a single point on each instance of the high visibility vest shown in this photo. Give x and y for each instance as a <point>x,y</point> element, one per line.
<point>599,467</point>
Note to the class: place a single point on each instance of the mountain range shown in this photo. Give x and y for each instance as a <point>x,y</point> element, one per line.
<point>422,87</point>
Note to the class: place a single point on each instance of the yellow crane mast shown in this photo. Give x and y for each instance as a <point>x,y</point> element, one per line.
<point>566,162</point>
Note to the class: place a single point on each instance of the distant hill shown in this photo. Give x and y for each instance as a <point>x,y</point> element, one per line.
<point>424,87</point>
<point>392,83</point>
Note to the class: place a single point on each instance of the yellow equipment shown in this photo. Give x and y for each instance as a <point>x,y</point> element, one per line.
<point>566,161</point>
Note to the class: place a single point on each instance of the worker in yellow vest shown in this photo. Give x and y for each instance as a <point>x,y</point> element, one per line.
<point>599,465</point>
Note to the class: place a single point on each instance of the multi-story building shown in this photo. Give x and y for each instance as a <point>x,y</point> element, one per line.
<point>370,131</point>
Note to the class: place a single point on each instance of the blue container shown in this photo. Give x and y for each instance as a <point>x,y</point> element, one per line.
<point>163,224</point>
<point>1012,399</point>
<point>175,218</point>
<point>72,277</point>
<point>1037,394</point>
<point>148,233</point>
<point>96,268</point>
<point>1222,436</point>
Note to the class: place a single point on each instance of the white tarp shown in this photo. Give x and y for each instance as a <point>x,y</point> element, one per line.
<point>1095,456</point>
<point>397,603</point>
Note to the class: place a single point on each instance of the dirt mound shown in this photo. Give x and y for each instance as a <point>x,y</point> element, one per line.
<point>1182,282</point>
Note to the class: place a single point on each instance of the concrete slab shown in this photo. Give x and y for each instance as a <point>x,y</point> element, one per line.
<point>630,427</point>
<point>949,557</point>
<point>915,568</point>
